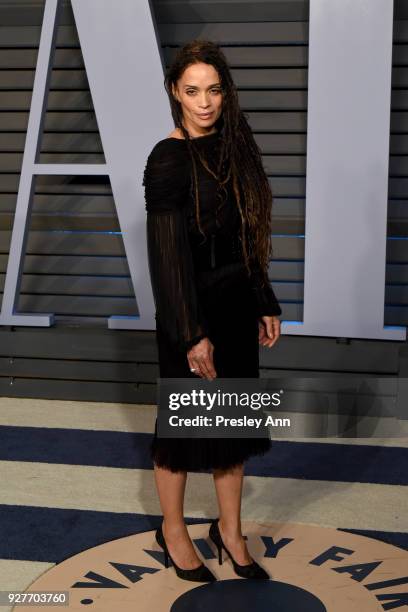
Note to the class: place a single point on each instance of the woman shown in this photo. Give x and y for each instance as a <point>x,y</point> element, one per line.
<point>208,205</point>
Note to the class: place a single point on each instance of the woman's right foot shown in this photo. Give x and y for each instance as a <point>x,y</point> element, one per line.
<point>180,547</point>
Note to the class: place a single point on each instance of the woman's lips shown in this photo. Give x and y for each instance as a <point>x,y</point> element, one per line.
<point>205,115</point>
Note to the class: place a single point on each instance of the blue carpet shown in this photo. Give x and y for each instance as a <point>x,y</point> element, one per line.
<point>287,459</point>
<point>52,535</point>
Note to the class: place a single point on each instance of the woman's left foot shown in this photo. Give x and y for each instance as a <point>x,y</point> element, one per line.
<point>244,570</point>
<point>236,544</point>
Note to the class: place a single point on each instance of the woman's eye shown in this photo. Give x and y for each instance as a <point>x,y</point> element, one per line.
<point>191,91</point>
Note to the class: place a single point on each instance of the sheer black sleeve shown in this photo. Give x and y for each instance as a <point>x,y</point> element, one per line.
<point>166,181</point>
<point>265,299</point>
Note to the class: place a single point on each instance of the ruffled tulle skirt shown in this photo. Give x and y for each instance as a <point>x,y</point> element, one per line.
<point>231,318</point>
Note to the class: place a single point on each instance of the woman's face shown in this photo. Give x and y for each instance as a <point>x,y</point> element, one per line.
<point>199,92</point>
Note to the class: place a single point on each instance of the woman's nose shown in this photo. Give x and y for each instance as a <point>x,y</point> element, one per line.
<point>204,102</point>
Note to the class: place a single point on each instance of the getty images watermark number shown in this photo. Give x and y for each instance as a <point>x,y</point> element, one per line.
<point>34,598</point>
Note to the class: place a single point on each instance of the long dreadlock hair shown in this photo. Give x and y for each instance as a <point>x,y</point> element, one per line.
<point>240,157</point>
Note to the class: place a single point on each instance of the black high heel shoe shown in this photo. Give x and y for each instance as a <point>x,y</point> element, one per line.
<point>198,574</point>
<point>252,570</point>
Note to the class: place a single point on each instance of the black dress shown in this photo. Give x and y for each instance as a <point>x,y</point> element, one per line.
<point>201,289</point>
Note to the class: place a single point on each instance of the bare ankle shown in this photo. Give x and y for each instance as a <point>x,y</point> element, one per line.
<point>231,529</point>
<point>173,527</point>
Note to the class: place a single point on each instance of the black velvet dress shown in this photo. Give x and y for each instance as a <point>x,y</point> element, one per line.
<point>201,289</point>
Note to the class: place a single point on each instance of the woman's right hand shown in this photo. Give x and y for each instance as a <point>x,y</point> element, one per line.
<point>200,357</point>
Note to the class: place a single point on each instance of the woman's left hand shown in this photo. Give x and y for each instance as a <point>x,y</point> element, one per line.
<point>269,330</point>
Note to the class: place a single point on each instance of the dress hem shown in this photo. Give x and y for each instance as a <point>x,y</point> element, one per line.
<point>168,461</point>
